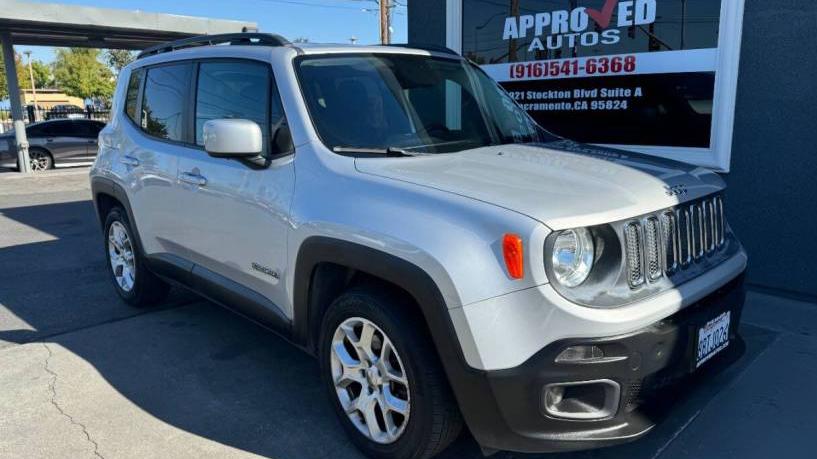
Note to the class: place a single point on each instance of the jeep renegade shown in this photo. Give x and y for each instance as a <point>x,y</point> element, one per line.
<point>393,212</point>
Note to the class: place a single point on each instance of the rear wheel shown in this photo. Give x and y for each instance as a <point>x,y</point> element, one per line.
<point>131,278</point>
<point>40,160</point>
<point>384,377</point>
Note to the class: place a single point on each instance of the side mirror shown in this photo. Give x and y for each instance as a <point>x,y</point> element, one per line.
<point>233,138</point>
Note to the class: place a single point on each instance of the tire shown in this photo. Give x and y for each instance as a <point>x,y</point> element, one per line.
<point>433,420</point>
<point>133,282</point>
<point>40,160</point>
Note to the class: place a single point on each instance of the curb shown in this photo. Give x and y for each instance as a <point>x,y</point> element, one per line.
<point>54,173</point>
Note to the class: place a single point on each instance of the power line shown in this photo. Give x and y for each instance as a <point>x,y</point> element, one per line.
<point>394,3</point>
<point>325,5</point>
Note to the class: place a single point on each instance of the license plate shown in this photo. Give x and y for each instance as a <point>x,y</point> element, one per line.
<point>713,338</point>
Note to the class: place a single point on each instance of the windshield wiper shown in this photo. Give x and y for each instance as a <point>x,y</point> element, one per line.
<point>390,151</point>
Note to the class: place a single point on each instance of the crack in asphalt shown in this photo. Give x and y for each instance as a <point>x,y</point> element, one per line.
<point>675,435</point>
<point>52,387</point>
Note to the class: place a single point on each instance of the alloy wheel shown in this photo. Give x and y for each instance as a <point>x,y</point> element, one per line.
<point>120,252</point>
<point>370,380</point>
<point>40,161</point>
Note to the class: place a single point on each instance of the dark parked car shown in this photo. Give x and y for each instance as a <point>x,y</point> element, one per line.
<point>65,111</point>
<point>52,143</point>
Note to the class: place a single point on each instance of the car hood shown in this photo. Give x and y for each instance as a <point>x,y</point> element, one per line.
<point>563,184</point>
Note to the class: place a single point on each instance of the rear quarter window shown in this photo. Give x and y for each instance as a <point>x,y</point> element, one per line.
<point>132,97</point>
<point>89,129</point>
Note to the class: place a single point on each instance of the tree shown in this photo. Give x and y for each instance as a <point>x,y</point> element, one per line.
<point>79,73</point>
<point>117,59</point>
<point>41,71</point>
<point>21,75</point>
<point>42,74</point>
<point>4,90</point>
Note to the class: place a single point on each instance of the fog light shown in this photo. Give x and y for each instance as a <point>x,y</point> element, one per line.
<point>583,400</point>
<point>578,354</point>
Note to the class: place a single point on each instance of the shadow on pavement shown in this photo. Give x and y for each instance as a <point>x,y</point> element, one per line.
<point>204,370</point>
<point>59,284</point>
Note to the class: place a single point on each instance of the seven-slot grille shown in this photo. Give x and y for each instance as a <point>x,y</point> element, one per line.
<point>668,241</point>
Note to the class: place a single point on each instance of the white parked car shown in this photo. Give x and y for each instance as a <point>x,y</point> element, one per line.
<point>393,212</point>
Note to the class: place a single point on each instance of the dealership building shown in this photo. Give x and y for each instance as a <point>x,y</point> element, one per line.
<point>725,84</point>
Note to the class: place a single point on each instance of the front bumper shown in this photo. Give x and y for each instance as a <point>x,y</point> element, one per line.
<point>504,409</point>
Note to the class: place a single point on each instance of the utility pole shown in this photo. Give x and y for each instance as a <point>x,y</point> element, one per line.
<point>14,100</point>
<point>512,42</point>
<point>683,23</point>
<point>385,22</point>
<point>33,87</point>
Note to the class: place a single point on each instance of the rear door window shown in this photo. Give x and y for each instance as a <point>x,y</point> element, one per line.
<point>35,131</point>
<point>61,129</point>
<point>164,101</point>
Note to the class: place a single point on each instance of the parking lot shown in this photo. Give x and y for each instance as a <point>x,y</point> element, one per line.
<point>83,375</point>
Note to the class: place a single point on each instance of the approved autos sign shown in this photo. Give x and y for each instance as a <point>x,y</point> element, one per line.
<point>573,27</point>
<point>633,73</point>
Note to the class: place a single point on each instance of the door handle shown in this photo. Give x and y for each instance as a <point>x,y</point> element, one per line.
<point>193,179</point>
<point>92,141</point>
<point>129,161</point>
<point>49,140</point>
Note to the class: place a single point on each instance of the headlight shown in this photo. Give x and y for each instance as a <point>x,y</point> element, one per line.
<point>572,257</point>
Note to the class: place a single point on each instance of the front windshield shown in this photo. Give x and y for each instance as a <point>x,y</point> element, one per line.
<point>416,104</point>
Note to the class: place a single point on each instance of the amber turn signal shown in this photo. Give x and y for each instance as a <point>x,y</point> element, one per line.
<point>514,256</point>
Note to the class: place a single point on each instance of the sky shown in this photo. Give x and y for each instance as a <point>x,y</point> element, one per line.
<point>321,21</point>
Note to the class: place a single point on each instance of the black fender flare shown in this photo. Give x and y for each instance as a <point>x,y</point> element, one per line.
<point>106,186</point>
<point>470,386</point>
<point>402,273</point>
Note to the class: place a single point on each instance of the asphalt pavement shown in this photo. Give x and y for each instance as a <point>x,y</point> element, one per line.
<point>84,375</point>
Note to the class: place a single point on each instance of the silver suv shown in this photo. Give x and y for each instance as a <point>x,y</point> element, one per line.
<point>393,212</point>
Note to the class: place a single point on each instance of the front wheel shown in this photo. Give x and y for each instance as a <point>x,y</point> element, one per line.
<point>384,377</point>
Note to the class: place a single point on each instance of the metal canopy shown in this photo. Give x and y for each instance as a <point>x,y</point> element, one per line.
<point>51,24</point>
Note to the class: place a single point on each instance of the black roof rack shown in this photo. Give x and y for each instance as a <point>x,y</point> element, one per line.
<point>243,38</point>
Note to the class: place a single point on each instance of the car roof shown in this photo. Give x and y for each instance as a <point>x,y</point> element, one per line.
<point>330,48</point>
<point>266,52</point>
